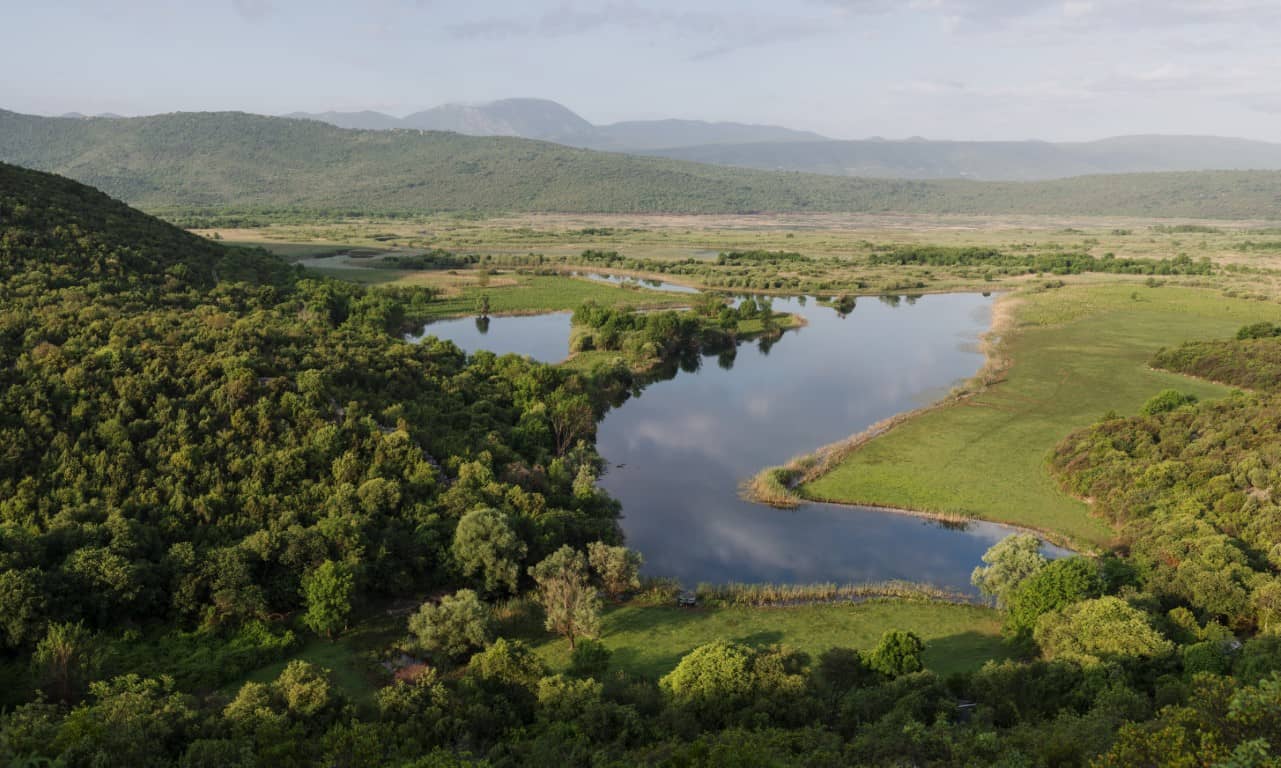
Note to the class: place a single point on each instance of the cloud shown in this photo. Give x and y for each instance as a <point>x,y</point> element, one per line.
<point>711,33</point>
<point>252,10</point>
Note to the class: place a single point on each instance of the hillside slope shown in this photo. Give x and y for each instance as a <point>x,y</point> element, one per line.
<point>236,161</point>
<point>987,160</point>
<point>78,235</point>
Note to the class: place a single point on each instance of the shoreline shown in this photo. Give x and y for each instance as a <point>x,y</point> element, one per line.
<point>777,486</point>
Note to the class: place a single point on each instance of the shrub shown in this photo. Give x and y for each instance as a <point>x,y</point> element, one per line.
<point>1166,401</point>
<point>898,653</point>
<point>458,624</point>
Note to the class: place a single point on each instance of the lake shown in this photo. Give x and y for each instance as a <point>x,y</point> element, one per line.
<point>678,451</point>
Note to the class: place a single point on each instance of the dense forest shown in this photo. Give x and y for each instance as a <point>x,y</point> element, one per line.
<point>205,456</point>
<point>186,163</point>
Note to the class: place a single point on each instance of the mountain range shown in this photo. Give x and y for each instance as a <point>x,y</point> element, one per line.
<point>232,161</point>
<point>774,148</point>
<point>549,121</point>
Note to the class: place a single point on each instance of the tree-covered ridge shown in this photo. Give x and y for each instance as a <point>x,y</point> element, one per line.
<point>1193,489</point>
<point>169,453</point>
<point>219,162</point>
<point>75,234</point>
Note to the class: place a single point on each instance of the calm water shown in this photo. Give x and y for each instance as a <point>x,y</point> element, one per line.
<point>679,450</point>
<point>641,282</point>
<point>542,337</point>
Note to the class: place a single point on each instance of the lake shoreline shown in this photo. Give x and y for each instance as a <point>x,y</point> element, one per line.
<point>779,486</point>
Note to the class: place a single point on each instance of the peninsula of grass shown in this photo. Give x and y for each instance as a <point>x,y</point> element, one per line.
<point>650,640</point>
<point>1075,354</point>
<point>521,294</point>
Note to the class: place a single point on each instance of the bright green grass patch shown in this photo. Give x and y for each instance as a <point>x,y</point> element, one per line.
<point>1077,353</point>
<point>650,640</point>
<point>549,293</point>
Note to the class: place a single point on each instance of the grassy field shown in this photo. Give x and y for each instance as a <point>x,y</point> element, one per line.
<point>1076,353</point>
<point>650,640</point>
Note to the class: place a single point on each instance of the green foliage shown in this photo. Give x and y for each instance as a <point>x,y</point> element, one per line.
<point>65,659</point>
<point>898,653</point>
<point>1009,562</point>
<point>1262,330</point>
<point>618,568</point>
<point>1165,401</point>
<point>486,547</point>
<point>457,624</point>
<point>1097,630</point>
<point>1055,263</point>
<point>568,598</point>
<point>1056,586</point>
<point>327,592</point>
<point>1188,487</point>
<point>711,679</point>
<point>590,658</point>
<point>508,662</point>
<point>1252,362</point>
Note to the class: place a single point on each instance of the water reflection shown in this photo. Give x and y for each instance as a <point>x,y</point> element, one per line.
<point>542,337</point>
<point>679,452</point>
<point>644,282</point>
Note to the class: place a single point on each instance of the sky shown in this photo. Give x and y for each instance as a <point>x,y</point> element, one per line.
<point>1058,70</point>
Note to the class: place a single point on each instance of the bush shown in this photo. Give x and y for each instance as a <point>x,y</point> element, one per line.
<point>1259,331</point>
<point>458,624</point>
<point>898,653</point>
<point>589,659</point>
<point>1166,401</point>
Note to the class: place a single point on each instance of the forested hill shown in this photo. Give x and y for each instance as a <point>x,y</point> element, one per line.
<point>235,161</point>
<point>183,456</point>
<point>75,233</point>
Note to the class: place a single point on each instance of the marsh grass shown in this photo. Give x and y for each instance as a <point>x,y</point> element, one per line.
<point>741,595</point>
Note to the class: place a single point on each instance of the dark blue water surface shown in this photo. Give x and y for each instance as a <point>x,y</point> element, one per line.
<point>678,452</point>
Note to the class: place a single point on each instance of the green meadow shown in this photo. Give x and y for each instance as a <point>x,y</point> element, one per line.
<point>650,640</point>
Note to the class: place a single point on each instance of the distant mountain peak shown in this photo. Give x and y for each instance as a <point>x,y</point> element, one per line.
<point>547,120</point>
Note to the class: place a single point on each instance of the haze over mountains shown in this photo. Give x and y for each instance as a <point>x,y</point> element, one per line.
<point>549,121</point>
<point>767,147</point>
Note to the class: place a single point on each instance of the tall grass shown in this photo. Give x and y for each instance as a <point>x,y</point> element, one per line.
<point>778,595</point>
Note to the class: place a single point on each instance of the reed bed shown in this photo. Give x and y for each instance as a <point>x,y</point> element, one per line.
<point>781,595</point>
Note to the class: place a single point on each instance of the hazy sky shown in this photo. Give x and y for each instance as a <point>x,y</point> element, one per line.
<point>978,69</point>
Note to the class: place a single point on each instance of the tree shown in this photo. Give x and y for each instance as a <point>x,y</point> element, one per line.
<point>65,658</point>
<point>567,595</point>
<point>711,681</point>
<point>571,417</point>
<point>617,567</point>
<point>898,653</point>
<point>1056,586</point>
<point>327,592</point>
<point>1092,631</point>
<point>1009,562</point>
<point>1165,401</point>
<point>456,625</point>
<point>22,606</point>
<point>485,546</point>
